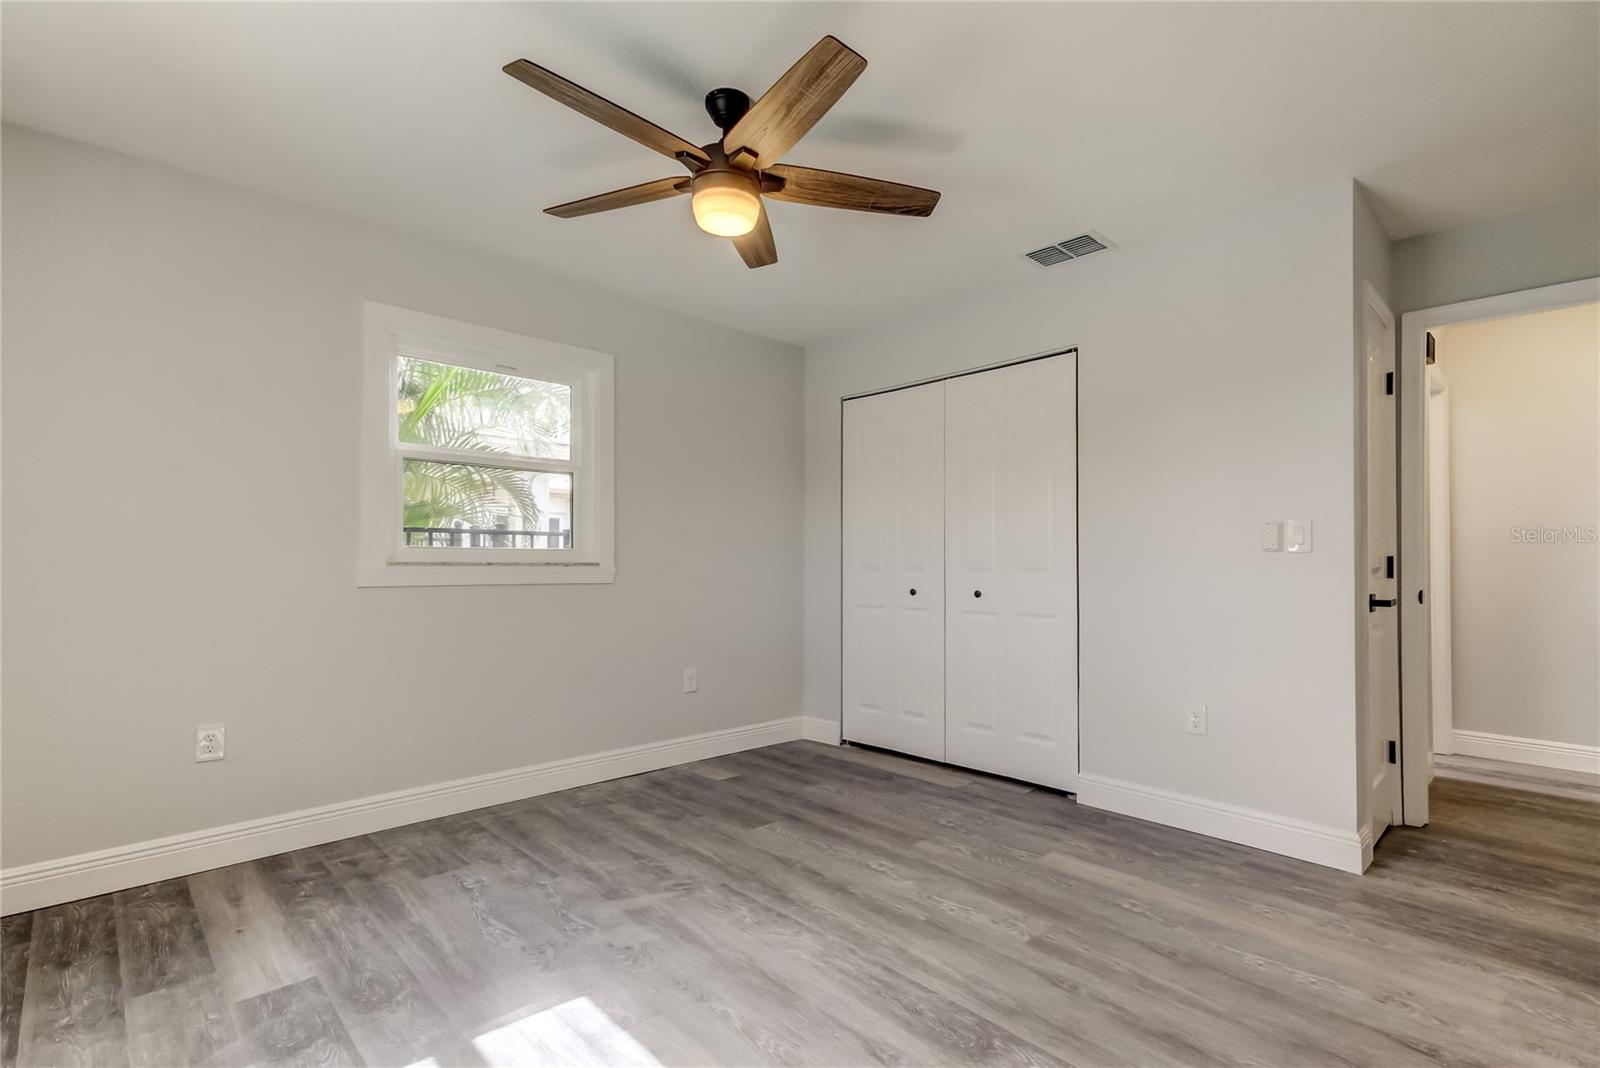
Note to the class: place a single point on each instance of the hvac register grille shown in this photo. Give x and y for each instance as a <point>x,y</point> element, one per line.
<point>1072,248</point>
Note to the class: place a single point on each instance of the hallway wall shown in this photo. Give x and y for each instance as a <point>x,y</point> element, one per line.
<point>1524,397</point>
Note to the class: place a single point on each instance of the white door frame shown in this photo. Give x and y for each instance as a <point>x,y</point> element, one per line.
<point>1375,703</point>
<point>1416,638</point>
<point>1441,661</point>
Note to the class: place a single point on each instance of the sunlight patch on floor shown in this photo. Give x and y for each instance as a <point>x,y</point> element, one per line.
<point>572,1033</point>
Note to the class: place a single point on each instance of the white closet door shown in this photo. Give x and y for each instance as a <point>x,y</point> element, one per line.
<point>1011,572</point>
<point>893,596</point>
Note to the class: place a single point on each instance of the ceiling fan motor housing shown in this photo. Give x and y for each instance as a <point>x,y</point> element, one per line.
<point>726,107</point>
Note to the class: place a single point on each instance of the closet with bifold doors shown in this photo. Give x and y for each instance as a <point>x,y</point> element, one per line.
<point>960,570</point>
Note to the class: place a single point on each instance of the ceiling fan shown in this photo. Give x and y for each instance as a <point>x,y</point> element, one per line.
<point>728,177</point>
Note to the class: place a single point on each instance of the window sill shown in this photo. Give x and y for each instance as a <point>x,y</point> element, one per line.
<point>483,574</point>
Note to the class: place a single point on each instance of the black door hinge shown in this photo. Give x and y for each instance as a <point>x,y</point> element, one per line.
<point>1391,751</point>
<point>1388,383</point>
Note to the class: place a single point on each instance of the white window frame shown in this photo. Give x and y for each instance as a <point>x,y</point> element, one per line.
<point>385,559</point>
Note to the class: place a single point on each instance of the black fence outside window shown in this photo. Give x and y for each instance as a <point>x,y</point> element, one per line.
<point>486,538</point>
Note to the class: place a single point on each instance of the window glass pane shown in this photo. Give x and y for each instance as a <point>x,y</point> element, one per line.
<point>469,506</point>
<point>456,407</point>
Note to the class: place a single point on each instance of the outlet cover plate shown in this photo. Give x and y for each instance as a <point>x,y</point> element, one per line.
<point>1194,718</point>
<point>209,742</point>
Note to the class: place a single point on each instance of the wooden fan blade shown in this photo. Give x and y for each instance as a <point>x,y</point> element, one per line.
<point>601,110</point>
<point>757,247</point>
<point>833,189</point>
<point>644,193</point>
<point>795,102</point>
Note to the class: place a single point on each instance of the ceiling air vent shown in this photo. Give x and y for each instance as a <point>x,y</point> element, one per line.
<point>1071,249</point>
<point>1049,256</point>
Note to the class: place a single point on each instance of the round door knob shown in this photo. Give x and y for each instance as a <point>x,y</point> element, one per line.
<point>913,591</point>
<point>977,593</point>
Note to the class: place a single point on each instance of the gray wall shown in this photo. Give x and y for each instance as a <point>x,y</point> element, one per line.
<point>1524,397</point>
<point>181,415</point>
<point>1216,390</point>
<point>1560,243</point>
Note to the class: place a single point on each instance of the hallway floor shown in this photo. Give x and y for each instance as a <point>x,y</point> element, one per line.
<point>1578,785</point>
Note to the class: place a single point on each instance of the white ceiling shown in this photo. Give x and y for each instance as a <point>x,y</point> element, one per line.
<point>1037,121</point>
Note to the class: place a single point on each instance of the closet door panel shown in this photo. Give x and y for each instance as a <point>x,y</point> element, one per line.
<point>893,562</point>
<point>974,625</point>
<point>1011,537</point>
<point>1040,547</point>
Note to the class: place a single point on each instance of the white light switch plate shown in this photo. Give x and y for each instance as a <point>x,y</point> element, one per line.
<point>1297,535</point>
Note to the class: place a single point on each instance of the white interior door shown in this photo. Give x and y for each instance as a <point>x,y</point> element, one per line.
<point>893,595</point>
<point>1383,620</point>
<point>1011,701</point>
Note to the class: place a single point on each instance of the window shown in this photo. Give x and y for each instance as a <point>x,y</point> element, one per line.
<point>487,456</point>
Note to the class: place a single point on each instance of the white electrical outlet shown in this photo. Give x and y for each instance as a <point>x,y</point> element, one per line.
<point>208,743</point>
<point>1194,718</point>
<point>691,680</point>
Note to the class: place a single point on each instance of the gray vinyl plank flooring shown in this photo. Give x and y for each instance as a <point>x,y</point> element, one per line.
<point>16,940</point>
<point>72,996</point>
<point>806,904</point>
<point>1579,785</point>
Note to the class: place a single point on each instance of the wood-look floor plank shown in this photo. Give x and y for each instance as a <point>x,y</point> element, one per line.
<point>905,767</point>
<point>293,1026</point>
<point>382,1006</point>
<point>16,938</point>
<point>476,966</point>
<point>180,1023</point>
<point>1556,782</point>
<point>160,942</point>
<point>72,1005</point>
<point>250,945</point>
<point>806,904</point>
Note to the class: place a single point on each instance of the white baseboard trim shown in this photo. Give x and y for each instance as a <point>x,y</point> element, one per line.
<point>1568,756</point>
<point>52,882</point>
<point>1314,842</point>
<point>817,729</point>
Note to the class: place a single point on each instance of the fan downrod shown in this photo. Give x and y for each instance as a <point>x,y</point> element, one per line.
<point>726,107</point>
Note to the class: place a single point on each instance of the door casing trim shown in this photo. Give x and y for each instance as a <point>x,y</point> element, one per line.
<point>1372,300</point>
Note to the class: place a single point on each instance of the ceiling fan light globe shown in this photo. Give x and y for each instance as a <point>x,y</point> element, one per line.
<point>725,204</point>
